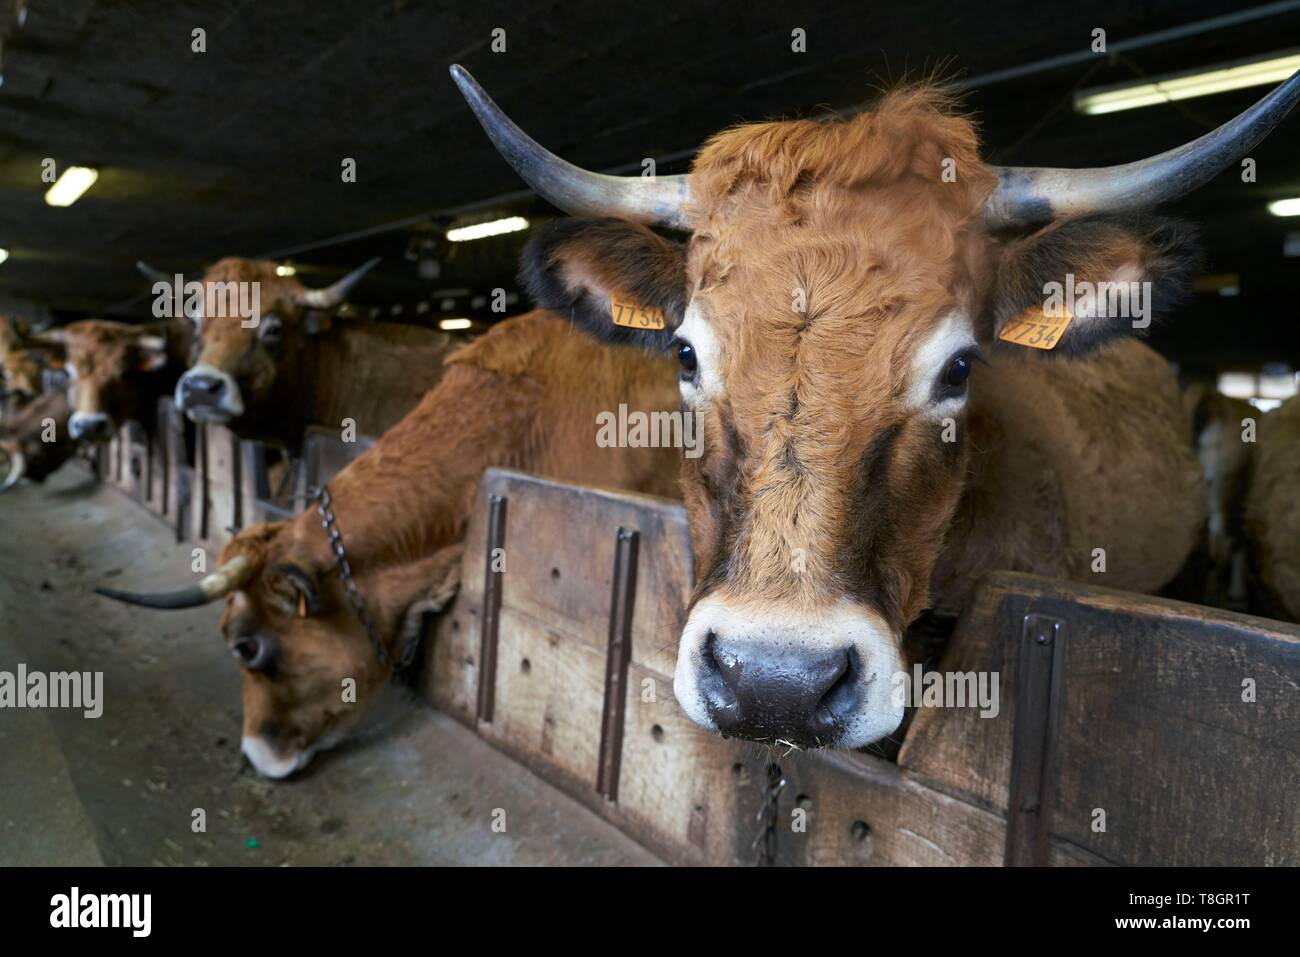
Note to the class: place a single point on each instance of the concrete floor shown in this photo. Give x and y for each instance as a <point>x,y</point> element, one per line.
<point>414,787</point>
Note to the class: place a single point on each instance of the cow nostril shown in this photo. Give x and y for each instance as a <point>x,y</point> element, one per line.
<point>842,695</point>
<point>716,681</point>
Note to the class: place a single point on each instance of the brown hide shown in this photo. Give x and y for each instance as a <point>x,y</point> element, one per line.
<point>1273,510</point>
<point>1068,457</point>
<point>526,395</point>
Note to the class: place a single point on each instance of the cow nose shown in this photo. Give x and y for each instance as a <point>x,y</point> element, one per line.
<point>765,693</point>
<point>89,426</point>
<point>201,388</point>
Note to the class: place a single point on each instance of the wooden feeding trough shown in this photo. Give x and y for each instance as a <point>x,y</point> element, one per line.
<point>1130,729</point>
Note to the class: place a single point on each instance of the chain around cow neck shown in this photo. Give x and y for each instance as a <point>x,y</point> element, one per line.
<point>325,509</point>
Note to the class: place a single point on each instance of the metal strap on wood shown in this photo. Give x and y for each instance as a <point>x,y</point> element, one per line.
<point>619,655</point>
<point>1039,690</point>
<point>493,571</point>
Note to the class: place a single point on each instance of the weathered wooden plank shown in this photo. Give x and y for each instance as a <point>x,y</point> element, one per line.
<point>549,695</point>
<point>1156,744</point>
<point>859,810</point>
<point>568,583</point>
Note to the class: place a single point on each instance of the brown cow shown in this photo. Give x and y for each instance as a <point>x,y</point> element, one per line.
<point>26,361</point>
<point>118,373</point>
<point>295,363</point>
<point>841,281</point>
<point>36,441</point>
<point>1273,511</point>
<point>525,395</point>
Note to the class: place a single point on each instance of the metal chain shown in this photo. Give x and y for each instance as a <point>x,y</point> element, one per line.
<point>765,842</point>
<point>324,508</point>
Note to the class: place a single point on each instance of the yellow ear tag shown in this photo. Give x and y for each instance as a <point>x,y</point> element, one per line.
<point>302,605</point>
<point>1035,328</point>
<point>633,315</point>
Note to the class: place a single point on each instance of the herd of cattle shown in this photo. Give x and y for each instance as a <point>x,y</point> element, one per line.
<point>868,454</point>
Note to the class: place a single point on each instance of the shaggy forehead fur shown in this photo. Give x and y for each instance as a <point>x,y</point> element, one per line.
<point>855,219</point>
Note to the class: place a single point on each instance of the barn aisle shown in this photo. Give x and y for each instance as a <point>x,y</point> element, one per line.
<point>414,788</point>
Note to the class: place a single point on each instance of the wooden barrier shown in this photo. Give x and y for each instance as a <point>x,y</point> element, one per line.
<point>178,478</point>
<point>1126,731</point>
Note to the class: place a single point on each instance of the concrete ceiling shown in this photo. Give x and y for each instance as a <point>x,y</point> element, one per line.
<point>238,150</point>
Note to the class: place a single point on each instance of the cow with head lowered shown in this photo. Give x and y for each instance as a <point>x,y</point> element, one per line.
<point>294,361</point>
<point>527,395</point>
<point>872,443</point>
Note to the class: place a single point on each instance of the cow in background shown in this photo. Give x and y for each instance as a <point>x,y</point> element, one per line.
<point>298,362</point>
<point>1217,422</point>
<point>119,371</point>
<point>1273,512</point>
<point>36,441</point>
<point>525,395</point>
<point>29,365</point>
<point>836,294</point>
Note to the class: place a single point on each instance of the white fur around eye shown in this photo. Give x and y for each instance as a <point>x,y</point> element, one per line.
<point>953,334</point>
<point>696,330</point>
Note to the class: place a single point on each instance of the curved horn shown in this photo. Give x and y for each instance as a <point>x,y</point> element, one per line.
<point>1032,195</point>
<point>653,200</point>
<point>17,468</point>
<point>149,272</point>
<point>212,587</point>
<point>47,337</point>
<point>331,296</point>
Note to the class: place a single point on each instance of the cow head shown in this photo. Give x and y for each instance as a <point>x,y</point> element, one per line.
<point>23,361</point>
<point>109,364</point>
<point>35,442</point>
<point>840,282</point>
<point>247,367</point>
<point>310,669</point>
<point>20,377</point>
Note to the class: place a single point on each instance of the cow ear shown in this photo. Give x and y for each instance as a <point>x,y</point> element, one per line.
<point>619,281</point>
<point>1079,283</point>
<point>296,587</point>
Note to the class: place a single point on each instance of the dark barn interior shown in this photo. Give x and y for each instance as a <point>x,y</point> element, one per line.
<point>237,151</point>
<point>321,135</point>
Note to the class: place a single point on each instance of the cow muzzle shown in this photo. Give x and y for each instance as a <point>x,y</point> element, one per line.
<point>811,681</point>
<point>206,394</point>
<point>90,427</point>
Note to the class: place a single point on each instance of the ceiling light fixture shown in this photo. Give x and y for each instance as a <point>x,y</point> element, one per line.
<point>1285,207</point>
<point>69,187</point>
<point>451,325</point>
<point>1184,86</point>
<point>496,227</point>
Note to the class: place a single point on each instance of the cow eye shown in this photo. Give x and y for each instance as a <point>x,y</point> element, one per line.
<point>958,371</point>
<point>686,357</point>
<point>271,329</point>
<point>253,651</point>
